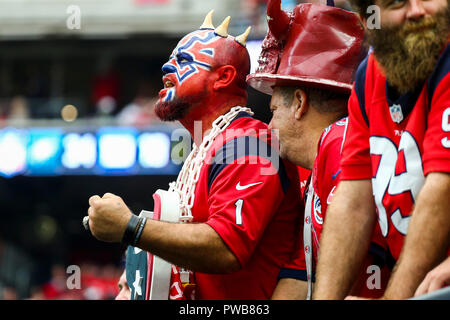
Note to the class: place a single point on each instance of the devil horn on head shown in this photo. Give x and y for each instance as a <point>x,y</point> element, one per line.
<point>222,30</point>
<point>208,24</point>
<point>277,18</point>
<point>242,39</point>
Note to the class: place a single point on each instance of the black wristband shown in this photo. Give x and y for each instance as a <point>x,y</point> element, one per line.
<point>129,233</point>
<point>142,221</point>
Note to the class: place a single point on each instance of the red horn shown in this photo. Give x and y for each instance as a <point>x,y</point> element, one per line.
<point>277,18</point>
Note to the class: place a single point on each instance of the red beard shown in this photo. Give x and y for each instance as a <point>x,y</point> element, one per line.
<point>171,110</point>
<point>408,53</point>
<point>178,108</point>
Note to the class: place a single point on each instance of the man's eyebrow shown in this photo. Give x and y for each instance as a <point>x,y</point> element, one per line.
<point>178,53</point>
<point>382,3</point>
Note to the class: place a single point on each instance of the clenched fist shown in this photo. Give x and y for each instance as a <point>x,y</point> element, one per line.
<point>108,217</point>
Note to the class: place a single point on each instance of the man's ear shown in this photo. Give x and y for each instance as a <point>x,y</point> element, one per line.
<point>300,103</point>
<point>225,76</point>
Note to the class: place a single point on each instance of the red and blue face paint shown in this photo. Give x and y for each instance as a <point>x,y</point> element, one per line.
<point>186,74</point>
<point>190,60</point>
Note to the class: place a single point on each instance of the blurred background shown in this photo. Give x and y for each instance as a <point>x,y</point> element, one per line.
<point>78,80</point>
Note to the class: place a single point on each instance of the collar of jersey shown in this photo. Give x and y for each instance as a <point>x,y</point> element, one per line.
<point>406,101</point>
<point>240,115</point>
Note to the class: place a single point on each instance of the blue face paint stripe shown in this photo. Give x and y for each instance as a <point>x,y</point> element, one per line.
<point>209,36</point>
<point>187,74</point>
<point>208,52</point>
<point>169,96</point>
<point>192,65</point>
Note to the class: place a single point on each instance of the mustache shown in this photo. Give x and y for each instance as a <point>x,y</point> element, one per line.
<point>418,26</point>
<point>179,107</point>
<point>408,52</point>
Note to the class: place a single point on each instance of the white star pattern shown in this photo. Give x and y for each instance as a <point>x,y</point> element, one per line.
<point>137,285</point>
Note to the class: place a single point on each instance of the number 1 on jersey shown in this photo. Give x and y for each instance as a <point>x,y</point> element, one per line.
<point>239,205</point>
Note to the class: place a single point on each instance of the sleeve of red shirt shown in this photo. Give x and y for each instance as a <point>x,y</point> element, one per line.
<point>356,162</point>
<point>436,144</point>
<point>297,261</point>
<point>260,203</point>
<point>328,168</point>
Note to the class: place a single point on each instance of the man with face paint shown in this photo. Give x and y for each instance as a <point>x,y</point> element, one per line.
<point>238,195</point>
<point>396,153</point>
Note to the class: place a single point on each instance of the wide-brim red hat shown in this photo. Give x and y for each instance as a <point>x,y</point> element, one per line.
<point>315,46</point>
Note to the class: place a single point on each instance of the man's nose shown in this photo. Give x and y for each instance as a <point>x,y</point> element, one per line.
<point>415,10</point>
<point>168,68</point>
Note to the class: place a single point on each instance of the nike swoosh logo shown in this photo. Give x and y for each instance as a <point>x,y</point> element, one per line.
<point>336,174</point>
<point>239,187</point>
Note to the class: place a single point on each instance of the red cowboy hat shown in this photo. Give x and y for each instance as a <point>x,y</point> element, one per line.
<point>315,45</point>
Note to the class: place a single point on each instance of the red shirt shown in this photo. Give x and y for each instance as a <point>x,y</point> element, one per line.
<point>397,143</point>
<point>251,201</point>
<point>296,266</point>
<point>304,175</point>
<point>325,178</point>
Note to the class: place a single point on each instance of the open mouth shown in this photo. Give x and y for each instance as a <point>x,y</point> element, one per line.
<point>168,83</point>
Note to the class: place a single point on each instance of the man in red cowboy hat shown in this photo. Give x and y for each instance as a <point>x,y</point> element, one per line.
<point>242,201</point>
<point>396,154</point>
<point>307,65</point>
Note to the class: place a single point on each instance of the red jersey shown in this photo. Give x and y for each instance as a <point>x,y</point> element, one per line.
<point>325,178</point>
<point>296,266</point>
<point>249,196</point>
<point>304,175</point>
<point>397,142</point>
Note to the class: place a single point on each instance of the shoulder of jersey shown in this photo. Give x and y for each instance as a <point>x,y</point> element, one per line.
<point>334,130</point>
<point>360,80</point>
<point>249,123</point>
<point>441,71</point>
<point>243,127</point>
